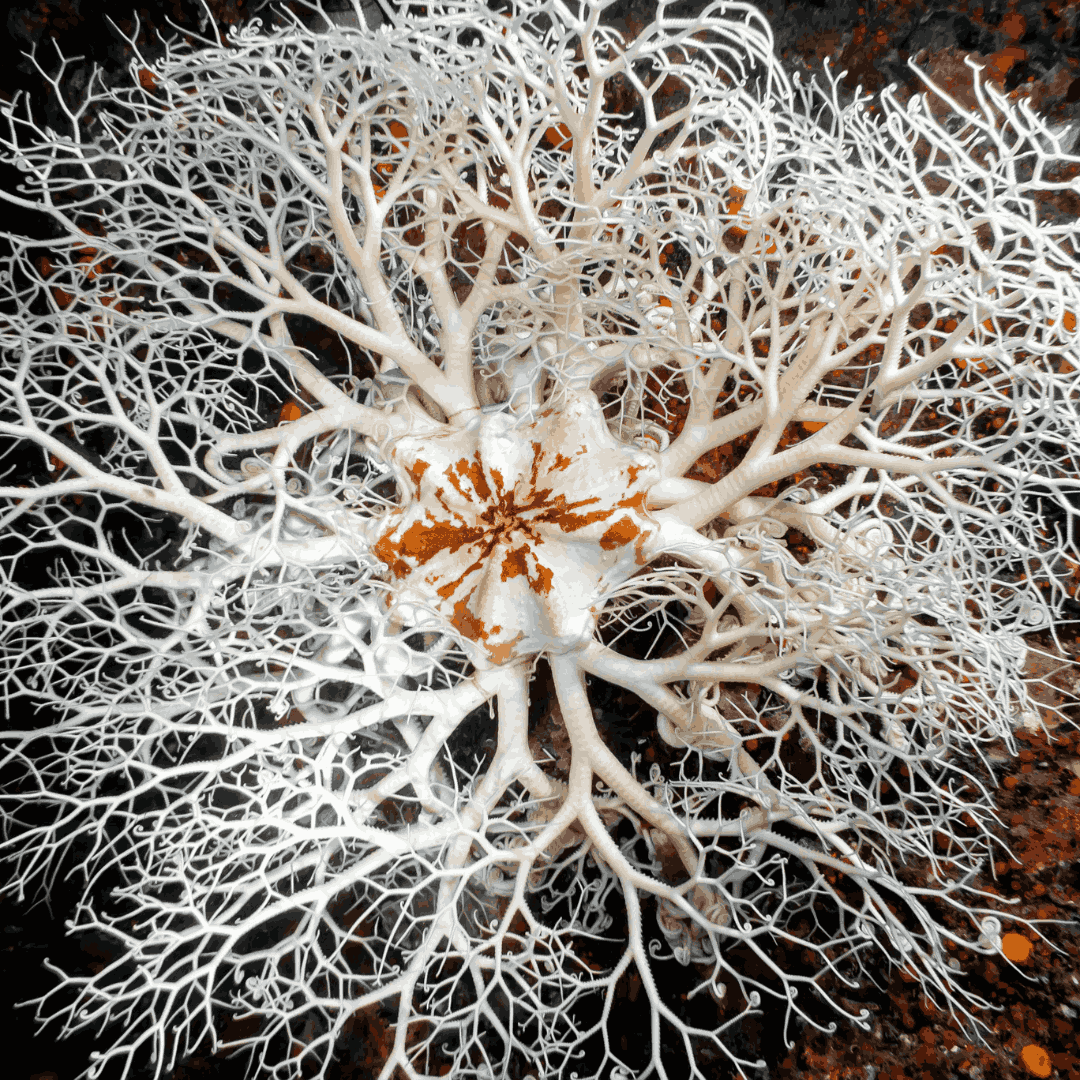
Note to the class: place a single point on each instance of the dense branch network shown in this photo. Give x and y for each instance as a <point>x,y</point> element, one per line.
<point>392,402</point>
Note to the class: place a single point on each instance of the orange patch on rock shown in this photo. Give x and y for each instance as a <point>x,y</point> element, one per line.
<point>1016,947</point>
<point>620,534</point>
<point>1036,1060</point>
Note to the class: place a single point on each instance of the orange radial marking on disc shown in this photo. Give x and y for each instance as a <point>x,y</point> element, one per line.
<point>502,653</point>
<point>474,470</point>
<point>538,453</point>
<point>448,588</point>
<point>421,542</point>
<point>543,580</point>
<point>515,525</point>
<point>621,533</point>
<point>515,563</point>
<point>569,522</point>
<point>633,502</point>
<point>416,471</point>
<point>467,622</point>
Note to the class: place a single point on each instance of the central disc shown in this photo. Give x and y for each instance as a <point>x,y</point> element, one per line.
<point>513,532</point>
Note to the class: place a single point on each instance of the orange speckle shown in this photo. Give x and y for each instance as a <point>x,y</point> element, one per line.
<point>664,301</point>
<point>1016,947</point>
<point>147,79</point>
<point>1036,1060</point>
<point>813,425</point>
<point>290,411</point>
<point>399,131</point>
<point>1069,320</point>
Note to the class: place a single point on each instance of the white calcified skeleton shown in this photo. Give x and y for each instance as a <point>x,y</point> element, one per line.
<point>557,266</point>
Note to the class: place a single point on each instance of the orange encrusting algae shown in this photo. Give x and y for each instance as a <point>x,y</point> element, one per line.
<point>1016,947</point>
<point>1036,1060</point>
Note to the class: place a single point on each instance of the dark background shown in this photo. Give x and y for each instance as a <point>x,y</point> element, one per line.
<point>1026,46</point>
